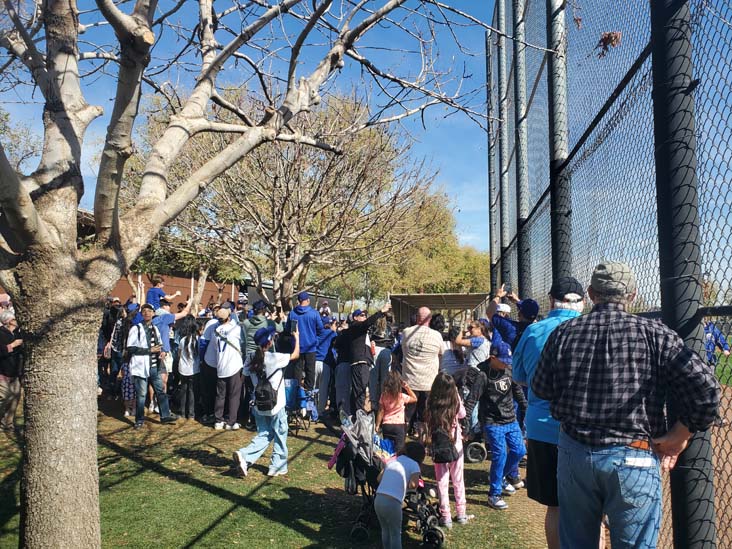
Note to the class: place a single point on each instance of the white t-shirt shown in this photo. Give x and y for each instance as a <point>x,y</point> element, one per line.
<point>188,364</point>
<point>227,340</point>
<point>422,348</point>
<point>274,363</point>
<point>396,476</point>
<point>449,363</point>
<point>208,335</point>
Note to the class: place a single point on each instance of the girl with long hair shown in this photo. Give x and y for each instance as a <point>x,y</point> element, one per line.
<point>189,368</point>
<point>266,368</point>
<point>444,412</point>
<point>392,403</point>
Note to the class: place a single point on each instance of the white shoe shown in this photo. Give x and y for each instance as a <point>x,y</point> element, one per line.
<point>508,490</point>
<point>241,465</point>
<point>219,426</point>
<point>497,503</point>
<point>234,427</point>
<point>279,473</point>
<point>127,413</point>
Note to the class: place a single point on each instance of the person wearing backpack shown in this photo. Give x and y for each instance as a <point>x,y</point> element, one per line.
<point>443,415</point>
<point>266,370</point>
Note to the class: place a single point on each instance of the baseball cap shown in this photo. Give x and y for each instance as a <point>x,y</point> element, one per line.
<point>613,278</point>
<point>131,307</point>
<point>501,350</point>
<point>358,312</point>
<point>223,313</point>
<point>147,306</point>
<point>503,308</point>
<point>264,335</point>
<point>303,296</point>
<point>259,305</point>
<point>528,308</point>
<point>566,285</point>
<point>164,301</point>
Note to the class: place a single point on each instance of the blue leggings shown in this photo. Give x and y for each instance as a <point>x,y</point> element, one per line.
<point>506,445</point>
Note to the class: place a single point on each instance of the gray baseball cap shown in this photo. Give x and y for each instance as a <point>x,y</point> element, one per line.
<point>613,278</point>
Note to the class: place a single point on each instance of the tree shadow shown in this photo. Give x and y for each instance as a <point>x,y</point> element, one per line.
<point>204,457</point>
<point>8,495</point>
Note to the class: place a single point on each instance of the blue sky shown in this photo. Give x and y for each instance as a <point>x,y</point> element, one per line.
<point>452,144</point>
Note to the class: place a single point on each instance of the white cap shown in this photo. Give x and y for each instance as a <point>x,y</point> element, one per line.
<point>503,308</point>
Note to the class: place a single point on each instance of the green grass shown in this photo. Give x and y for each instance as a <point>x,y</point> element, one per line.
<point>723,369</point>
<point>173,486</point>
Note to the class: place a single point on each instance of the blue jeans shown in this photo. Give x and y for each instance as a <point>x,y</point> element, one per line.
<point>141,388</point>
<point>507,448</point>
<point>620,482</point>
<point>269,429</point>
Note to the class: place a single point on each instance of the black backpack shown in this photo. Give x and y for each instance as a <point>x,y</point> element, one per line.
<point>265,396</point>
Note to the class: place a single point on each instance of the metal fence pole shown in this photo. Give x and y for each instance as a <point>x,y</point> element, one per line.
<point>503,140</point>
<point>692,487</point>
<point>560,192</point>
<point>492,219</point>
<point>522,146</point>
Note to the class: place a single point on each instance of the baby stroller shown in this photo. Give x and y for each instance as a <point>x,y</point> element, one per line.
<point>359,458</point>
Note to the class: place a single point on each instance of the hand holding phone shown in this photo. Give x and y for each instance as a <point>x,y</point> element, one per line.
<point>293,325</point>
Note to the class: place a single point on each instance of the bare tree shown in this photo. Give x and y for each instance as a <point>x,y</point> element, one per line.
<point>289,207</point>
<point>289,51</point>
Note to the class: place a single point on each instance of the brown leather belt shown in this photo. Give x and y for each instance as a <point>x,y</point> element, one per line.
<point>640,445</point>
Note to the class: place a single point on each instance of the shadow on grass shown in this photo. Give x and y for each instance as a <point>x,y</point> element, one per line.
<point>10,503</point>
<point>204,457</point>
<point>307,507</point>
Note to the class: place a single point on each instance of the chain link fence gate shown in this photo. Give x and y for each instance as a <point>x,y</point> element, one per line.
<point>612,170</point>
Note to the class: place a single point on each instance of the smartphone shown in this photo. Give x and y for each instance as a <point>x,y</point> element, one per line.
<point>507,287</point>
<point>293,325</point>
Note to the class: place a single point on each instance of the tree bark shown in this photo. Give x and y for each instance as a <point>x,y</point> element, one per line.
<point>60,489</point>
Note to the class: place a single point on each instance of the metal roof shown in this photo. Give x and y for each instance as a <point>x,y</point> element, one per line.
<point>404,304</point>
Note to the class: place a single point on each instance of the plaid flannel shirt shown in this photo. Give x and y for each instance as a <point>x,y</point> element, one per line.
<point>608,375</point>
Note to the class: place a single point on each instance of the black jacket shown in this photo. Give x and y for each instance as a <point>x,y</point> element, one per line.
<point>11,363</point>
<point>496,403</point>
<point>357,333</point>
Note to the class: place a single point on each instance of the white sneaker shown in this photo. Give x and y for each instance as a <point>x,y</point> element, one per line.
<point>508,490</point>
<point>279,473</point>
<point>497,503</point>
<point>234,427</point>
<point>127,413</point>
<point>241,465</point>
<point>219,426</point>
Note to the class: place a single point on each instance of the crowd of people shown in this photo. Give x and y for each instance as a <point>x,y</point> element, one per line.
<point>578,397</point>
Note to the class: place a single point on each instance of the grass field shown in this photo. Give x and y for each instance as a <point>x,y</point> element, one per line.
<point>173,486</point>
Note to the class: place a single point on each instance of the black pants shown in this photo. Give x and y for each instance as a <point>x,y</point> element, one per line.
<point>189,392</point>
<point>228,387</point>
<point>208,389</point>
<point>396,433</point>
<point>414,413</point>
<point>305,364</point>
<point>359,383</point>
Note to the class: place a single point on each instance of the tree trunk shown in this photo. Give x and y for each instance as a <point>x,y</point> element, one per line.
<point>60,489</point>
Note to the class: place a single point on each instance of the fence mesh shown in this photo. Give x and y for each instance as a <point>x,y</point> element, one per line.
<point>612,172</point>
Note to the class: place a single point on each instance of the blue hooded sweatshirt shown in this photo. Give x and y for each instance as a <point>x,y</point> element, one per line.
<point>310,326</point>
<point>324,344</point>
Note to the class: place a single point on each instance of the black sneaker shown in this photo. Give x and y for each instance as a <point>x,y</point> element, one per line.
<point>138,424</point>
<point>172,418</point>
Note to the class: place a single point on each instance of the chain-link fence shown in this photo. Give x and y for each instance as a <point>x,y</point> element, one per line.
<point>611,167</point>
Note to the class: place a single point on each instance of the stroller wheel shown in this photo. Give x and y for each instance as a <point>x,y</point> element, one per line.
<point>359,533</point>
<point>434,537</point>
<point>475,452</point>
<point>433,521</point>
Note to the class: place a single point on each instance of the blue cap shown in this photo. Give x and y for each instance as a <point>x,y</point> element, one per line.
<point>502,351</point>
<point>303,296</point>
<point>528,308</point>
<point>264,335</point>
<point>132,307</point>
<point>259,305</point>
<point>357,312</point>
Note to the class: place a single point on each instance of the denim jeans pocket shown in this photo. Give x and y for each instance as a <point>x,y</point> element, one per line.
<point>639,481</point>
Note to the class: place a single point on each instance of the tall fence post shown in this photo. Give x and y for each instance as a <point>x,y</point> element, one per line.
<point>492,195</point>
<point>692,487</point>
<point>522,146</point>
<point>560,197</point>
<point>503,140</point>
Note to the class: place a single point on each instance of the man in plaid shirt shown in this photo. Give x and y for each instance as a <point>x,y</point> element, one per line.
<point>608,375</point>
